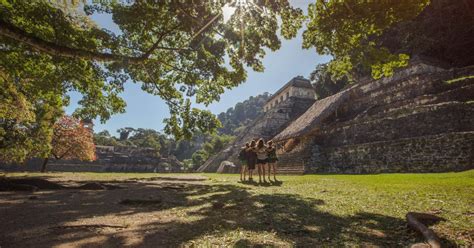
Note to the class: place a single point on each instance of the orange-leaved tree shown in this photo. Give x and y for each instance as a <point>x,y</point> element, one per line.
<point>71,140</point>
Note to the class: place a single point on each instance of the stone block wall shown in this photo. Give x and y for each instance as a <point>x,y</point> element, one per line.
<point>401,123</point>
<point>109,159</point>
<point>412,122</point>
<point>432,153</point>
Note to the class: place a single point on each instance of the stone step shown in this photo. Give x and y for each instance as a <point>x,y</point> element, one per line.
<point>461,94</point>
<point>430,153</point>
<point>291,170</point>
<point>403,123</point>
<point>411,88</point>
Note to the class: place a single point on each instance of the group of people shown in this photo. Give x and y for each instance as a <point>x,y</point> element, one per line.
<point>257,154</point>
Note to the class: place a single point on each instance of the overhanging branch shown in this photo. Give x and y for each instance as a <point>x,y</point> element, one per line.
<point>38,44</point>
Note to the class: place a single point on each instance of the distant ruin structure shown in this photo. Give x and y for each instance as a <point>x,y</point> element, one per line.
<point>286,105</point>
<point>109,159</point>
<point>298,87</point>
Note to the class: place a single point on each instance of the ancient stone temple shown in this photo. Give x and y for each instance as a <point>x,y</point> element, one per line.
<point>286,105</point>
<point>419,120</point>
<point>297,88</point>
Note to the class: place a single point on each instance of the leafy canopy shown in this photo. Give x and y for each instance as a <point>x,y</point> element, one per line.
<point>323,83</point>
<point>349,31</point>
<point>175,50</point>
<point>179,51</point>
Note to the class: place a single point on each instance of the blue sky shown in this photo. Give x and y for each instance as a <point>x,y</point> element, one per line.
<point>147,111</point>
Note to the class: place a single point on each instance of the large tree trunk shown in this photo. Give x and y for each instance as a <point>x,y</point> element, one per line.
<point>43,166</point>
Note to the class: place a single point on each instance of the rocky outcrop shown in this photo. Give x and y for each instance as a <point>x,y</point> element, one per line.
<point>419,120</point>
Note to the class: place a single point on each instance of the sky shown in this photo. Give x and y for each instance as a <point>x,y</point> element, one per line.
<point>148,111</point>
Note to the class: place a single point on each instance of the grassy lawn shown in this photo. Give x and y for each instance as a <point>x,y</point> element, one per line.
<point>214,210</point>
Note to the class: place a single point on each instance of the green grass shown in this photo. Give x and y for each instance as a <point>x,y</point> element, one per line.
<point>329,210</point>
<point>459,79</point>
<point>451,195</point>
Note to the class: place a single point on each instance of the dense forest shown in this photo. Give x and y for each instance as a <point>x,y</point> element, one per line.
<point>195,151</point>
<point>236,118</point>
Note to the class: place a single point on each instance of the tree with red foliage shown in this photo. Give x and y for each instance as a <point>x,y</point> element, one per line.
<point>71,140</point>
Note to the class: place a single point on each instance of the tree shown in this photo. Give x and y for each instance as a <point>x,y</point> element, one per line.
<point>125,132</point>
<point>198,158</point>
<point>242,114</point>
<point>25,120</point>
<point>324,84</point>
<point>440,32</point>
<point>104,138</point>
<point>147,138</point>
<point>348,31</point>
<point>210,148</point>
<point>176,51</point>
<point>71,140</point>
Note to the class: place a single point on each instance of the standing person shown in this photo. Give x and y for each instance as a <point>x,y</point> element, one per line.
<point>262,156</point>
<point>244,161</point>
<point>251,159</point>
<point>272,159</point>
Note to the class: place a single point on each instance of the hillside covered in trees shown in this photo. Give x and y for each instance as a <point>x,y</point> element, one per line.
<point>195,151</point>
<point>237,117</point>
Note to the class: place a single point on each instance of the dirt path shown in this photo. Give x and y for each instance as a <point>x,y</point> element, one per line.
<point>95,218</point>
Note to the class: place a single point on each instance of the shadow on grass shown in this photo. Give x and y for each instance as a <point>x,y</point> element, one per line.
<point>263,183</point>
<point>210,210</point>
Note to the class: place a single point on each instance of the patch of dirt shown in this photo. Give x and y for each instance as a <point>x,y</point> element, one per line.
<point>9,186</point>
<point>35,184</point>
<point>98,226</point>
<point>97,186</point>
<point>187,178</point>
<point>173,186</point>
<point>28,184</point>
<point>140,202</point>
<point>217,205</point>
<point>86,213</point>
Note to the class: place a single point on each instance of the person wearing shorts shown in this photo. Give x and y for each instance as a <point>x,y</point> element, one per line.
<point>272,159</point>
<point>251,159</point>
<point>243,154</point>
<point>262,156</point>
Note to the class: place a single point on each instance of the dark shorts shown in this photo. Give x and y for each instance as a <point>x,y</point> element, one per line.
<point>272,160</point>
<point>251,166</point>
<point>262,161</point>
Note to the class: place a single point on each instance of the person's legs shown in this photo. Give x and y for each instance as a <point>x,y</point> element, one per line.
<point>274,171</point>
<point>245,172</point>
<point>242,168</point>
<point>259,169</point>
<point>263,171</point>
<point>269,166</point>
<point>250,174</point>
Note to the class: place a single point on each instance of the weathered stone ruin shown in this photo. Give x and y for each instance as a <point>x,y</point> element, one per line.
<point>419,120</point>
<point>109,159</point>
<point>287,104</point>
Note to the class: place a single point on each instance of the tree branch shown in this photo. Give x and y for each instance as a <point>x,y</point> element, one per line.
<point>38,44</point>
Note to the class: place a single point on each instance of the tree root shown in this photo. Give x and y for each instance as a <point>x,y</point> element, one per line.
<point>415,221</point>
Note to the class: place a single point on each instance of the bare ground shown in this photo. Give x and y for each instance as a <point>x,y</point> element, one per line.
<point>96,218</point>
